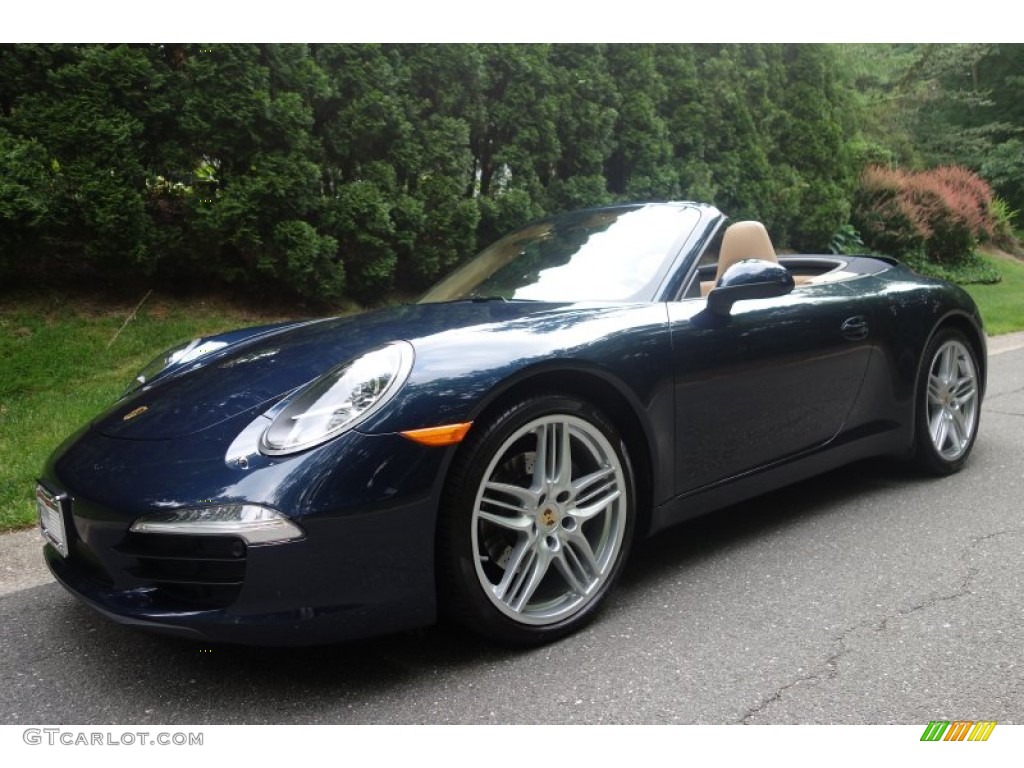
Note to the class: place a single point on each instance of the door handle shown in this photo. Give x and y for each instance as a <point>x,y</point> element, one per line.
<point>855,328</point>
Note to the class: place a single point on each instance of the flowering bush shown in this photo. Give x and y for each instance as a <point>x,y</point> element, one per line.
<point>941,213</point>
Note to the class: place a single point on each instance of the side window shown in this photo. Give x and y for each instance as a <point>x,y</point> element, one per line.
<point>706,266</point>
<point>710,255</point>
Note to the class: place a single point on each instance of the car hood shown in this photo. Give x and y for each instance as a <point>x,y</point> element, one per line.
<point>251,374</point>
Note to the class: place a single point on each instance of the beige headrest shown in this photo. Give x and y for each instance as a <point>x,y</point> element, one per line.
<point>744,240</point>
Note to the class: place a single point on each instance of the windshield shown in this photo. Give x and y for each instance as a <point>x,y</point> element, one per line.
<point>612,254</point>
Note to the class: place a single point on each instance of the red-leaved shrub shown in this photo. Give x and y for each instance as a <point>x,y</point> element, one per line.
<point>943,211</point>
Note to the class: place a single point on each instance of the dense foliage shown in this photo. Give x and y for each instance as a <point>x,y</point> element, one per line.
<point>942,213</point>
<point>349,170</point>
<point>979,119</point>
<point>923,106</point>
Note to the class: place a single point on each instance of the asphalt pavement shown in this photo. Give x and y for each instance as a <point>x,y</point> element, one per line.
<point>868,595</point>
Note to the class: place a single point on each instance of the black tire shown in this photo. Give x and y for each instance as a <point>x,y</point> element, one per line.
<point>947,408</point>
<point>536,521</point>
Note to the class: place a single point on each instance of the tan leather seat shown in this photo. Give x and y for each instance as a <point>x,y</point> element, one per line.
<point>744,240</point>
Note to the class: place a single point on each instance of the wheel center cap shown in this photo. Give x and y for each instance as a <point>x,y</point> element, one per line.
<point>549,517</point>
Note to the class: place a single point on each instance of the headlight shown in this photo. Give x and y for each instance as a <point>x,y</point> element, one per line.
<point>175,356</point>
<point>253,524</point>
<point>338,400</point>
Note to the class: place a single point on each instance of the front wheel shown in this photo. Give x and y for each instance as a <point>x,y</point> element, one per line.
<point>948,404</point>
<point>536,522</point>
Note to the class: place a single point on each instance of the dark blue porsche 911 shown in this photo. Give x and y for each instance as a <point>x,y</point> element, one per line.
<point>492,451</point>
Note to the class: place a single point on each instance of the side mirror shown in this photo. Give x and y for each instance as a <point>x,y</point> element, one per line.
<point>749,279</point>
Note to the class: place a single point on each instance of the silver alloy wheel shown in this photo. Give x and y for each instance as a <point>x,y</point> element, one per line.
<point>549,519</point>
<point>952,403</point>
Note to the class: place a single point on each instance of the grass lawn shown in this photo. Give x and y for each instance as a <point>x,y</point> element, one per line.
<point>58,369</point>
<point>1002,303</point>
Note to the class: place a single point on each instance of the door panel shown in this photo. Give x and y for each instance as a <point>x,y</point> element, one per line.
<point>775,378</point>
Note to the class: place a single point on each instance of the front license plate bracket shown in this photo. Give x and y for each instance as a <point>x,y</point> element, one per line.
<point>52,508</point>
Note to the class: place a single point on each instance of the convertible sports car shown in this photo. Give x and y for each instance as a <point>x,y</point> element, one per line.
<point>492,451</point>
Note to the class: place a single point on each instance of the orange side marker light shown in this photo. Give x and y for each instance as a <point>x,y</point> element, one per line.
<point>450,434</point>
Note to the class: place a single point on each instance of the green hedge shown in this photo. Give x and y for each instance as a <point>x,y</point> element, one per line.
<point>350,170</point>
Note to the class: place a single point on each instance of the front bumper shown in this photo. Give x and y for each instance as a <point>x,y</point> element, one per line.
<point>365,566</point>
<point>298,593</point>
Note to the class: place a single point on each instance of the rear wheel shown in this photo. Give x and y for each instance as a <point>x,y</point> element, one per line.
<point>948,403</point>
<point>537,521</point>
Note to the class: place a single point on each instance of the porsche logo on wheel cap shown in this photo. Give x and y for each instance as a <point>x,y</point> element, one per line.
<point>137,412</point>
<point>548,517</point>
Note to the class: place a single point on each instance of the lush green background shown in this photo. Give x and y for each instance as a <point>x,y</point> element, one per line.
<point>330,171</point>
<point>324,171</point>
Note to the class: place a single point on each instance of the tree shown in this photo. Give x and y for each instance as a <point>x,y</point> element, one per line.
<point>640,165</point>
<point>330,170</point>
